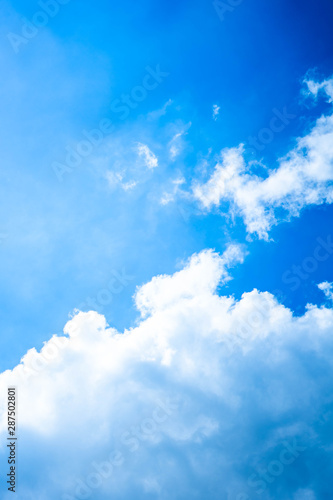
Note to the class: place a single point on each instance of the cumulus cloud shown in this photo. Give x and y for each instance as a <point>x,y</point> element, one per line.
<point>303,177</point>
<point>205,394</point>
<point>149,158</point>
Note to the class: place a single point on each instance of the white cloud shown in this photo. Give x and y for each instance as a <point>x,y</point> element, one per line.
<point>327,288</point>
<point>203,389</point>
<point>177,143</point>
<point>155,115</point>
<point>117,179</point>
<point>304,177</point>
<point>162,291</point>
<point>325,87</point>
<point>150,159</point>
<point>216,111</point>
<point>169,196</point>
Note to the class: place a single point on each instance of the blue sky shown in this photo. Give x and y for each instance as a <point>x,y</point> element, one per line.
<point>142,201</point>
<point>63,238</point>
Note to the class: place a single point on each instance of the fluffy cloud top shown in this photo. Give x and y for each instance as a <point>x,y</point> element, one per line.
<point>207,397</point>
<point>304,177</point>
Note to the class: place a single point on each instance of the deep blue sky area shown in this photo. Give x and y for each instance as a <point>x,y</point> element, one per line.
<point>63,240</point>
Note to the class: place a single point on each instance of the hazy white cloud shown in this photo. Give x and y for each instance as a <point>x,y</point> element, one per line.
<point>154,115</point>
<point>117,179</point>
<point>150,159</point>
<point>177,144</point>
<point>205,388</point>
<point>303,177</point>
<point>169,196</point>
<point>216,111</point>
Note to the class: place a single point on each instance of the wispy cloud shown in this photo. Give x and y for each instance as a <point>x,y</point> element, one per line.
<point>169,196</point>
<point>155,115</point>
<point>117,179</point>
<point>176,144</point>
<point>149,158</point>
<point>216,111</point>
